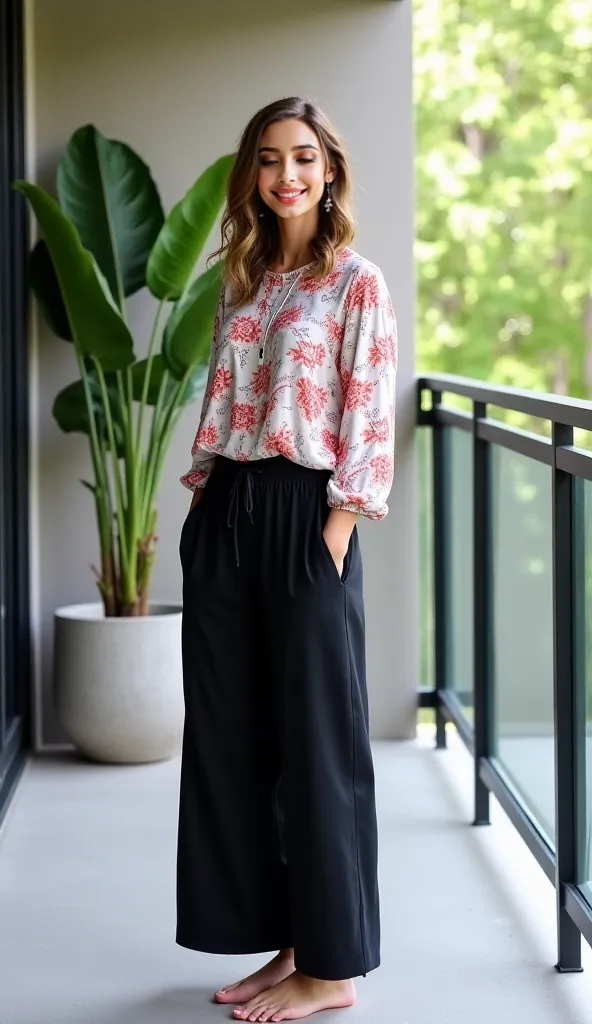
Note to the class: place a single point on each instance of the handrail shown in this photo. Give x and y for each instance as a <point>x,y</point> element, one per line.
<point>572,412</point>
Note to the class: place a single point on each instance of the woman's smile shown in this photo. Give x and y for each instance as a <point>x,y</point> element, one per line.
<point>289,196</point>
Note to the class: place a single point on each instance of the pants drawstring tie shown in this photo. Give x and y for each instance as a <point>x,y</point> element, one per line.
<point>244,475</point>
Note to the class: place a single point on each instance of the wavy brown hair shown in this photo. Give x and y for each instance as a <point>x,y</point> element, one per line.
<point>249,241</point>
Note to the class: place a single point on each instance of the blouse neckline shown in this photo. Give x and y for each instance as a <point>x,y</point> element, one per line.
<point>289,274</point>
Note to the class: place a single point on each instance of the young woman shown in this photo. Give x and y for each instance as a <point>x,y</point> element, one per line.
<point>277,824</point>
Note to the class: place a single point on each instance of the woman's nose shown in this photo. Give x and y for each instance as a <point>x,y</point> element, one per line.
<point>287,175</point>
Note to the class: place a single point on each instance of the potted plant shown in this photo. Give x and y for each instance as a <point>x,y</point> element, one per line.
<point>117,663</point>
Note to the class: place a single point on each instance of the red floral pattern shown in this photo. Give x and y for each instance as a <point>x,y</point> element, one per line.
<point>264,305</point>
<point>311,398</point>
<point>344,378</point>
<point>330,440</point>
<point>356,503</point>
<point>382,467</point>
<point>196,478</point>
<point>339,446</point>
<point>333,327</point>
<point>261,380</point>
<point>309,354</point>
<point>208,435</point>
<point>312,286</point>
<point>359,393</point>
<point>280,442</point>
<point>325,394</point>
<point>377,432</point>
<point>364,293</point>
<point>245,328</point>
<point>243,416</point>
<point>381,351</point>
<point>287,318</point>
<point>221,383</point>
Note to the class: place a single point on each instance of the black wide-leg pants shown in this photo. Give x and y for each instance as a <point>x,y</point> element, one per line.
<point>277,842</point>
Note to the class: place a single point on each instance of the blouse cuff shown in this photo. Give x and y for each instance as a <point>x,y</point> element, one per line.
<point>356,503</point>
<point>197,478</point>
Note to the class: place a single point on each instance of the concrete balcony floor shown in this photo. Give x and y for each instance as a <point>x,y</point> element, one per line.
<point>87,905</point>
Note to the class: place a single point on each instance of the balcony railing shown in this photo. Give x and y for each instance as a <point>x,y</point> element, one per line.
<point>507,617</point>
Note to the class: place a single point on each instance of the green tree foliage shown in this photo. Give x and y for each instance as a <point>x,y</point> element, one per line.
<point>503,108</point>
<point>503,99</point>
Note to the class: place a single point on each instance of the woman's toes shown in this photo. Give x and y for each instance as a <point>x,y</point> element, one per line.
<point>248,1012</point>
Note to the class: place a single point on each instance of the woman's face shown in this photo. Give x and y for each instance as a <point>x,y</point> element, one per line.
<point>292,170</point>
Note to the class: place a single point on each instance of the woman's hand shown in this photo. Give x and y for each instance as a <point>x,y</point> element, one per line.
<point>336,534</point>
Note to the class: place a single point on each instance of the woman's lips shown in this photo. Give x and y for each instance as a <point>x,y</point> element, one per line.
<point>289,198</point>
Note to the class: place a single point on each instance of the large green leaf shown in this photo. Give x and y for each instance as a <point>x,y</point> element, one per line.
<point>188,333</point>
<point>108,193</point>
<point>196,382</point>
<point>185,232</point>
<point>97,326</point>
<point>71,413</point>
<point>46,289</point>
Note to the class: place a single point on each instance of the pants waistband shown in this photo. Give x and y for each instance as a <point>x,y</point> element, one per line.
<point>276,467</point>
<point>241,477</point>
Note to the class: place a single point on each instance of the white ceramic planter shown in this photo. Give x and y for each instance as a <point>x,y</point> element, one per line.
<point>118,687</point>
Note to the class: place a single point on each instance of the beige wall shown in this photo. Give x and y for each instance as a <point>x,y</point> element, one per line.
<point>177,81</point>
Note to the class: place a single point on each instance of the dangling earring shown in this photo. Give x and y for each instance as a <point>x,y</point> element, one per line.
<point>328,200</point>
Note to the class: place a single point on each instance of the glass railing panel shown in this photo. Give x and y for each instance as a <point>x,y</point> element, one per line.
<point>523,630</point>
<point>458,570</point>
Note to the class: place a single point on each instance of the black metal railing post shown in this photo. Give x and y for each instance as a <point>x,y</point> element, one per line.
<point>565,861</point>
<point>439,531</point>
<point>482,612</point>
<point>565,703</point>
<point>579,649</point>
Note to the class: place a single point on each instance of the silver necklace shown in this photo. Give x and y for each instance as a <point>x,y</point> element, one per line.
<point>274,313</point>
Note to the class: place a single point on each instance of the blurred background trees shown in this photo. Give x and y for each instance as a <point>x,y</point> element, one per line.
<point>503,106</point>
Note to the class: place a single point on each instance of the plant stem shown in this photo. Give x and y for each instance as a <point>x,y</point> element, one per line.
<point>127,582</point>
<point>161,438</point>
<point>126,401</point>
<point>152,450</point>
<point>146,384</point>
<point>102,496</point>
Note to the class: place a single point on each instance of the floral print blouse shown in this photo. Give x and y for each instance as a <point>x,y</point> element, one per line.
<point>307,371</point>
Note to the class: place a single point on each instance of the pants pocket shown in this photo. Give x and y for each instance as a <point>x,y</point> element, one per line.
<point>346,561</point>
<point>188,532</point>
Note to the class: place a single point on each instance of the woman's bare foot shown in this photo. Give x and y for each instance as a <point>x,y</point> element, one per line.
<point>275,971</point>
<point>295,997</point>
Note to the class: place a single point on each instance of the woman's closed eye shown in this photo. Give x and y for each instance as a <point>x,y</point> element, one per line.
<point>300,160</point>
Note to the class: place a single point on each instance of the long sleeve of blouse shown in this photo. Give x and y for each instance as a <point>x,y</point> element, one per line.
<point>307,371</point>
